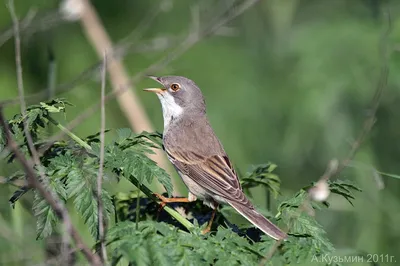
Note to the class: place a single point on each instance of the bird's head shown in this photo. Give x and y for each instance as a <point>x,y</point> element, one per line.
<point>178,94</point>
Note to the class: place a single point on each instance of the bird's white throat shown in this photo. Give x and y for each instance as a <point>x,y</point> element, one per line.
<point>171,110</point>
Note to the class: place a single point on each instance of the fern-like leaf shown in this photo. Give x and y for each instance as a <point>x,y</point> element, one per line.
<point>46,218</point>
<point>134,164</point>
<point>262,175</point>
<point>344,188</point>
<point>160,244</point>
<point>81,186</point>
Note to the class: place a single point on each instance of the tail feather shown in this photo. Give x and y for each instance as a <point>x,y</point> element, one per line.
<point>259,220</point>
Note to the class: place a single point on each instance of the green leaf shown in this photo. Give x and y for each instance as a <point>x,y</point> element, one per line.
<point>55,106</point>
<point>81,185</point>
<point>80,177</point>
<point>18,194</point>
<point>389,175</point>
<point>143,142</point>
<point>51,109</point>
<point>95,137</point>
<point>262,175</point>
<point>124,134</point>
<point>161,244</point>
<point>307,237</point>
<point>134,164</point>
<point>344,188</point>
<point>46,218</point>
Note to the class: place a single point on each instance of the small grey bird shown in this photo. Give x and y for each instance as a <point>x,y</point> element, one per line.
<point>197,154</point>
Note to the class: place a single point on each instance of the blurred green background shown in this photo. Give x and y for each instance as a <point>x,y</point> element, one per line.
<point>288,81</point>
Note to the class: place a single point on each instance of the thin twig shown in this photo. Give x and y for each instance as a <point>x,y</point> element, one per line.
<point>194,37</point>
<point>65,244</point>
<point>128,101</point>
<point>55,203</point>
<point>20,81</point>
<point>100,175</point>
<point>8,34</point>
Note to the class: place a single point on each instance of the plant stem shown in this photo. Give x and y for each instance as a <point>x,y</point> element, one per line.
<point>69,133</point>
<point>169,210</point>
<point>137,209</point>
<point>188,225</point>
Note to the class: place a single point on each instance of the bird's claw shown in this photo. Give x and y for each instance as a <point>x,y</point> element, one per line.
<point>163,200</point>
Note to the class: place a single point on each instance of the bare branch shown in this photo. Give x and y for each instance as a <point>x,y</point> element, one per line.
<point>128,101</point>
<point>20,82</point>
<point>8,34</point>
<point>196,34</point>
<point>100,175</point>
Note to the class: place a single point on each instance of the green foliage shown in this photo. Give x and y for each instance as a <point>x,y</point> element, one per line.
<point>344,188</point>
<point>46,219</point>
<point>71,175</point>
<point>262,175</point>
<point>162,244</point>
<point>81,186</point>
<point>35,119</point>
<point>127,156</point>
<point>310,237</point>
<point>72,172</point>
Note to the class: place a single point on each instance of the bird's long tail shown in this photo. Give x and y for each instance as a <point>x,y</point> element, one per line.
<point>258,220</point>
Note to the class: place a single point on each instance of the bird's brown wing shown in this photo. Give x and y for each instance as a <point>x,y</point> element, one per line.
<point>214,173</point>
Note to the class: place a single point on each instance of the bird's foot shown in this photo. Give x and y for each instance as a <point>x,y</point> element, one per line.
<point>165,200</point>
<point>208,228</point>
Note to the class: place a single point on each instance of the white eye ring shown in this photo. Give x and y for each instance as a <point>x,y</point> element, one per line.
<point>175,87</point>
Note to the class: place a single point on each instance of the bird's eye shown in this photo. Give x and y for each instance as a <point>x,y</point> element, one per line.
<point>175,86</point>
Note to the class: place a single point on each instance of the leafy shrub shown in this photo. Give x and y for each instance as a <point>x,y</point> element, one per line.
<point>141,232</point>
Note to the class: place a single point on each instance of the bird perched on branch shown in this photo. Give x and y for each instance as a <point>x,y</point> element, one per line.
<point>197,154</point>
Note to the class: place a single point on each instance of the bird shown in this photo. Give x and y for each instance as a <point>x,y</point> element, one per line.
<point>198,156</point>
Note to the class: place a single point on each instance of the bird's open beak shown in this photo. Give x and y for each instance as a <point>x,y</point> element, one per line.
<point>155,90</point>
<point>154,78</point>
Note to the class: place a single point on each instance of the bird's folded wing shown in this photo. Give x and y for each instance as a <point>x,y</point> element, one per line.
<point>214,173</point>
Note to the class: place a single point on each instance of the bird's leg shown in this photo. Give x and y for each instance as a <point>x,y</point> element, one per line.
<point>165,200</point>
<point>208,228</point>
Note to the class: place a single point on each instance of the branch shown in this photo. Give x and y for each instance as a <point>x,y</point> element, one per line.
<point>55,203</point>
<point>100,175</point>
<point>8,34</point>
<point>20,81</point>
<point>128,101</point>
<point>196,34</point>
